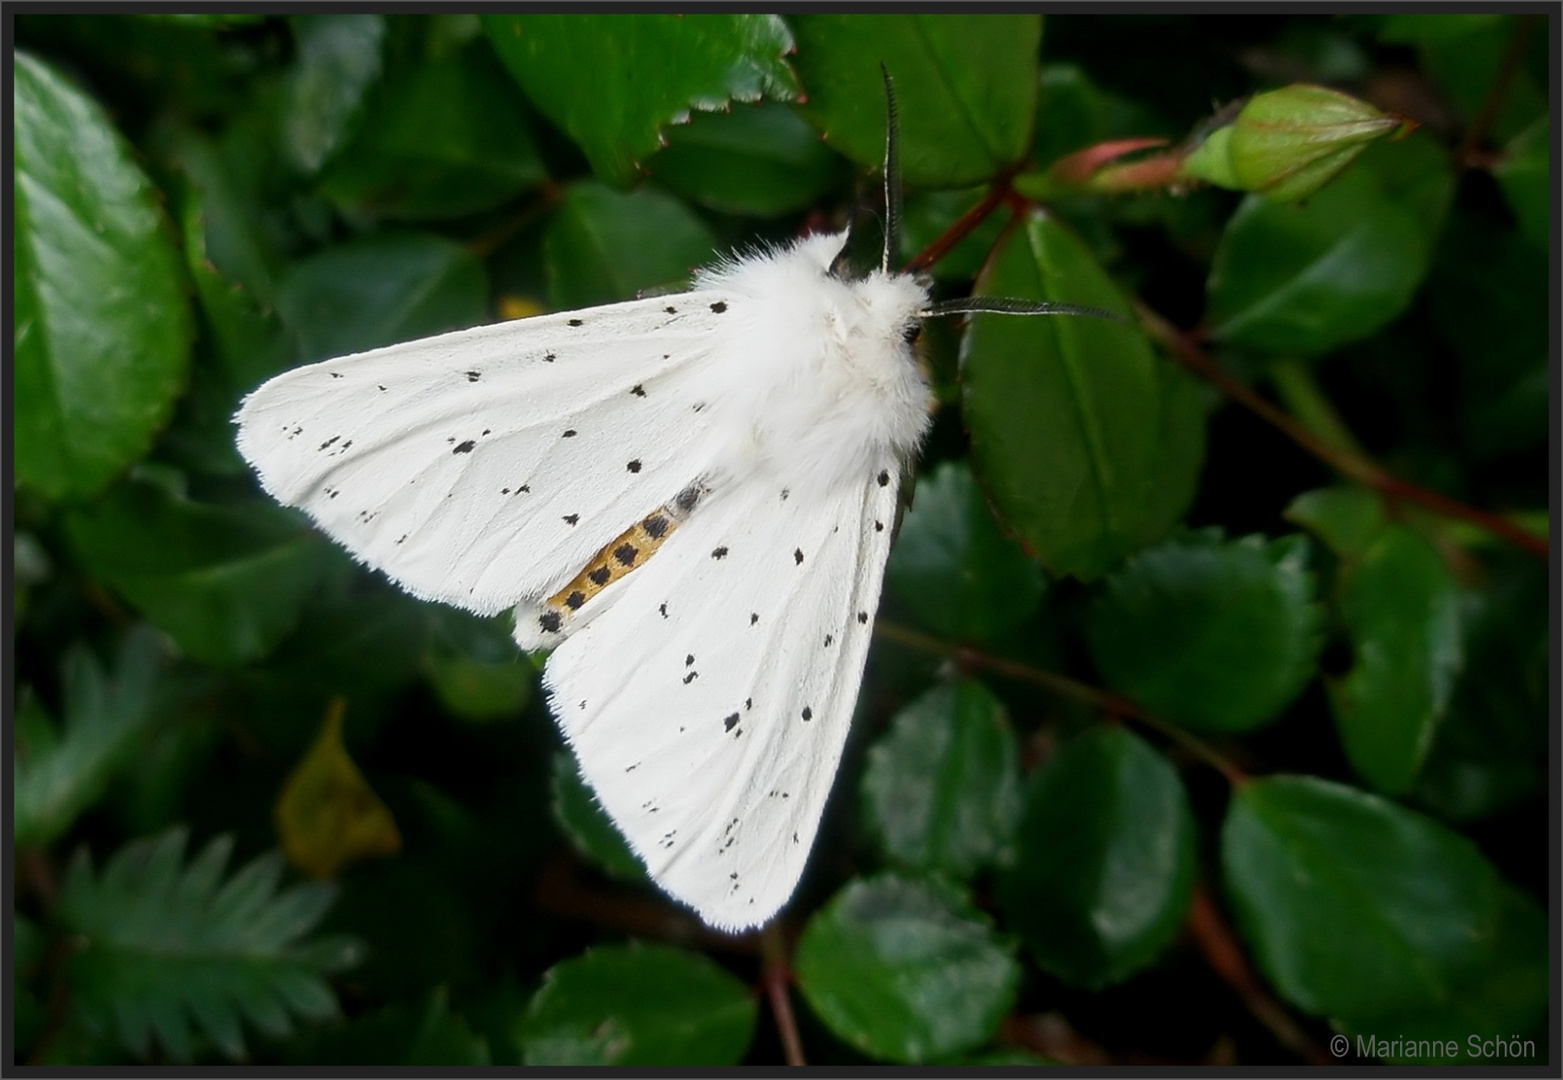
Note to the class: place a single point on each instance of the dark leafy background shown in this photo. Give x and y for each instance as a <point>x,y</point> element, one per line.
<point>1207,714</point>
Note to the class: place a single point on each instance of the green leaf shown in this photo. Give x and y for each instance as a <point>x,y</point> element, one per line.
<point>1072,113</point>
<point>431,1036</point>
<point>1497,1014</point>
<point>1490,751</point>
<point>383,289</point>
<point>966,89</point>
<point>1468,64</point>
<point>57,776</point>
<point>1401,610</point>
<point>101,327</point>
<point>953,566</point>
<point>641,1006</point>
<point>370,643</point>
<point>338,59</point>
<point>761,161</point>
<point>1104,859</point>
<point>1347,519</point>
<point>905,971</point>
<point>473,666</point>
<point>942,786</point>
<point>1307,279</point>
<point>1087,443</point>
<point>1216,635</point>
<point>446,138</point>
<point>587,824</point>
<point>1488,300</point>
<point>245,342</point>
<point>613,82</point>
<point>226,583</point>
<point>1420,29</point>
<point>1523,173</point>
<point>477,691</point>
<point>1355,908</point>
<point>166,944</point>
<point>29,1017</point>
<point>602,246</point>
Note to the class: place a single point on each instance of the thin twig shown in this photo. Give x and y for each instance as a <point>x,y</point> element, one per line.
<point>1110,703</point>
<point>1221,951</point>
<point>1352,466</point>
<point>1477,133</point>
<point>561,890</point>
<point>777,975</point>
<point>961,228</point>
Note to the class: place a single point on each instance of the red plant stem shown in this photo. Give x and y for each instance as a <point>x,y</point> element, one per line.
<point>777,975</point>
<point>1353,466</point>
<point>1221,951</point>
<point>1110,703</point>
<point>961,228</point>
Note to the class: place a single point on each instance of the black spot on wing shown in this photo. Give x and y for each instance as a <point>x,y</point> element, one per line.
<point>719,553</point>
<point>719,307</point>
<point>797,556</point>
<point>574,322</point>
<point>884,477</point>
<point>465,447</point>
<point>638,390</point>
<point>633,466</point>
<point>754,617</point>
<point>730,722</point>
<point>808,713</point>
<point>571,519</point>
<point>549,358</point>
<point>689,660</point>
<point>474,376</point>
<point>691,677</point>
<point>569,433</point>
<point>862,616</point>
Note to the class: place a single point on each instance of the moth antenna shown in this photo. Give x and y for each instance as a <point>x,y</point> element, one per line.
<point>892,174</point>
<point>1004,305</point>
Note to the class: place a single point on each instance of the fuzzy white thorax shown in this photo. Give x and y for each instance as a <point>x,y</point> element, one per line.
<point>824,381</point>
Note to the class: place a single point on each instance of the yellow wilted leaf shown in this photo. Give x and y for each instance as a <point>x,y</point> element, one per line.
<point>519,307</point>
<point>327,814</point>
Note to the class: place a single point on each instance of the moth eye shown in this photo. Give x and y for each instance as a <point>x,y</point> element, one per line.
<point>912,332</point>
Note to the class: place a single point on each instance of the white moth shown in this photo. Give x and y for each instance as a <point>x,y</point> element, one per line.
<point>690,499</point>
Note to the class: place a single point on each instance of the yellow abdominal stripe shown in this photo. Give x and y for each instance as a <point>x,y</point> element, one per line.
<point>621,555</point>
